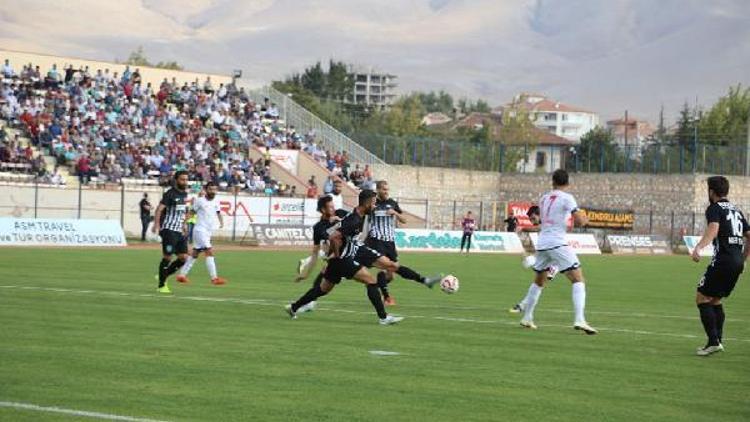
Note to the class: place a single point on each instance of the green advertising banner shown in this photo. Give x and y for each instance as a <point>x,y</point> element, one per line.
<point>450,241</point>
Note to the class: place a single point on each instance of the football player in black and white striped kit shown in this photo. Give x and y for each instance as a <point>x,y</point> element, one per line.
<point>170,221</point>
<point>382,234</point>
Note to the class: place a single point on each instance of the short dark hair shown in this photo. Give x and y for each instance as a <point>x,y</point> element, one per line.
<point>379,184</point>
<point>718,184</point>
<point>533,210</point>
<point>208,185</point>
<point>560,178</point>
<point>323,201</point>
<point>179,173</point>
<point>366,195</point>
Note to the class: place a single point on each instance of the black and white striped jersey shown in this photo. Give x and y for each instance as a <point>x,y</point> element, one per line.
<point>176,207</point>
<point>350,227</point>
<point>383,226</point>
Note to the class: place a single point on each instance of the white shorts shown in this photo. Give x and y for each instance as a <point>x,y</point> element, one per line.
<point>563,258</point>
<point>201,239</point>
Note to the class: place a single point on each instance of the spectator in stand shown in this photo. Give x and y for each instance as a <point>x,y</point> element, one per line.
<point>83,168</point>
<point>312,189</point>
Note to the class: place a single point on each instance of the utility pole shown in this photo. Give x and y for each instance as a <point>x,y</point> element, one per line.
<point>626,130</point>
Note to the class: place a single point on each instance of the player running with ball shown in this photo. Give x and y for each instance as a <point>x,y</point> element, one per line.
<point>552,249</point>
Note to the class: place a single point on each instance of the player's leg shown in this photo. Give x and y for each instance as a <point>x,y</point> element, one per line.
<point>180,249</point>
<point>532,298</point>
<point>468,242</point>
<point>311,305</point>
<point>185,270</point>
<point>719,313</point>
<point>463,242</point>
<point>211,267</point>
<point>384,263</point>
<point>708,319</point>
<point>331,278</point>
<point>578,287</point>
<point>364,277</point>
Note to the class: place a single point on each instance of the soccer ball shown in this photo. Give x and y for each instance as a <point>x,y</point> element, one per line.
<point>449,284</point>
<point>529,261</point>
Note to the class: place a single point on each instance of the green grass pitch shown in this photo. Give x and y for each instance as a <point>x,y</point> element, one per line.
<point>85,330</point>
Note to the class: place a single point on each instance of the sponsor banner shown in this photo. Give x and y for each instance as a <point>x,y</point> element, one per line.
<point>450,241</point>
<point>609,219</point>
<point>639,244</point>
<point>519,210</point>
<point>282,234</point>
<point>691,241</point>
<point>582,243</point>
<point>287,158</point>
<point>60,232</point>
<point>265,210</point>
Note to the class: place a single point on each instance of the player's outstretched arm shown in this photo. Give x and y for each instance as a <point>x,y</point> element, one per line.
<point>712,230</point>
<point>310,264</point>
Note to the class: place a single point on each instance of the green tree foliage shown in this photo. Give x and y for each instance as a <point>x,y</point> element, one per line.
<point>138,57</point>
<point>598,150</point>
<point>726,122</point>
<point>437,102</point>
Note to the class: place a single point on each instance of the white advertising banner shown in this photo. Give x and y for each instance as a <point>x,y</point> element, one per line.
<point>450,241</point>
<point>287,158</point>
<point>582,243</point>
<point>265,210</point>
<point>60,232</point>
<point>691,241</point>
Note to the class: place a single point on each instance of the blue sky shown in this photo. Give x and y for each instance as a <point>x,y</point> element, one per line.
<point>607,56</point>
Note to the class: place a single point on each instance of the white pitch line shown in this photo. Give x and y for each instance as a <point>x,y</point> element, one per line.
<point>55,409</point>
<point>266,302</point>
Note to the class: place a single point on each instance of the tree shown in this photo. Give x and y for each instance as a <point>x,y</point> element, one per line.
<point>314,79</point>
<point>725,123</point>
<point>598,150</point>
<point>138,57</point>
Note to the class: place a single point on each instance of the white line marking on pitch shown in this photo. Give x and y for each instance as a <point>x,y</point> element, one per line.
<point>54,409</point>
<point>383,353</point>
<point>265,302</point>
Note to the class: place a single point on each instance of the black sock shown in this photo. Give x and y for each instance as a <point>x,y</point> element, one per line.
<point>318,280</point>
<point>719,312</point>
<point>374,295</point>
<point>163,265</point>
<point>708,318</point>
<point>312,294</point>
<point>410,274</point>
<point>173,267</point>
<point>383,283</point>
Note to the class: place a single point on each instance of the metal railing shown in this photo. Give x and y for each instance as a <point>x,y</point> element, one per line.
<point>305,121</point>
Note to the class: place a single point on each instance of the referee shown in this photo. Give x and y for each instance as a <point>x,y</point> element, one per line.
<point>382,234</point>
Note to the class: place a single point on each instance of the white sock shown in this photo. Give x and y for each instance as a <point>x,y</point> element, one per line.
<point>579,301</point>
<point>532,298</point>
<point>525,300</point>
<point>211,266</point>
<point>188,265</point>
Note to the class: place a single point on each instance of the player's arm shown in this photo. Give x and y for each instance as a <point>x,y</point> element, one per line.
<point>157,218</point>
<point>310,264</point>
<point>221,219</point>
<point>712,230</point>
<point>396,210</point>
<point>580,219</point>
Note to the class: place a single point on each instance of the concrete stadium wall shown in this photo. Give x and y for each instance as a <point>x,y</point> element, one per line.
<point>149,74</point>
<point>652,197</point>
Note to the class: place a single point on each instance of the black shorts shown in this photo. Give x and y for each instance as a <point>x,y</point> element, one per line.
<point>384,248</point>
<point>339,268</point>
<point>719,279</point>
<point>173,242</point>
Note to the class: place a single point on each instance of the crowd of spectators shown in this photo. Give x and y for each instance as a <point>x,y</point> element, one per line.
<point>111,126</point>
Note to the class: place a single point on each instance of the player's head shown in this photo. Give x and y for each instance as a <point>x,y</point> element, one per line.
<point>326,206</point>
<point>560,179</point>
<point>181,180</point>
<point>367,200</point>
<point>534,214</point>
<point>718,188</point>
<point>211,190</point>
<point>382,188</point>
